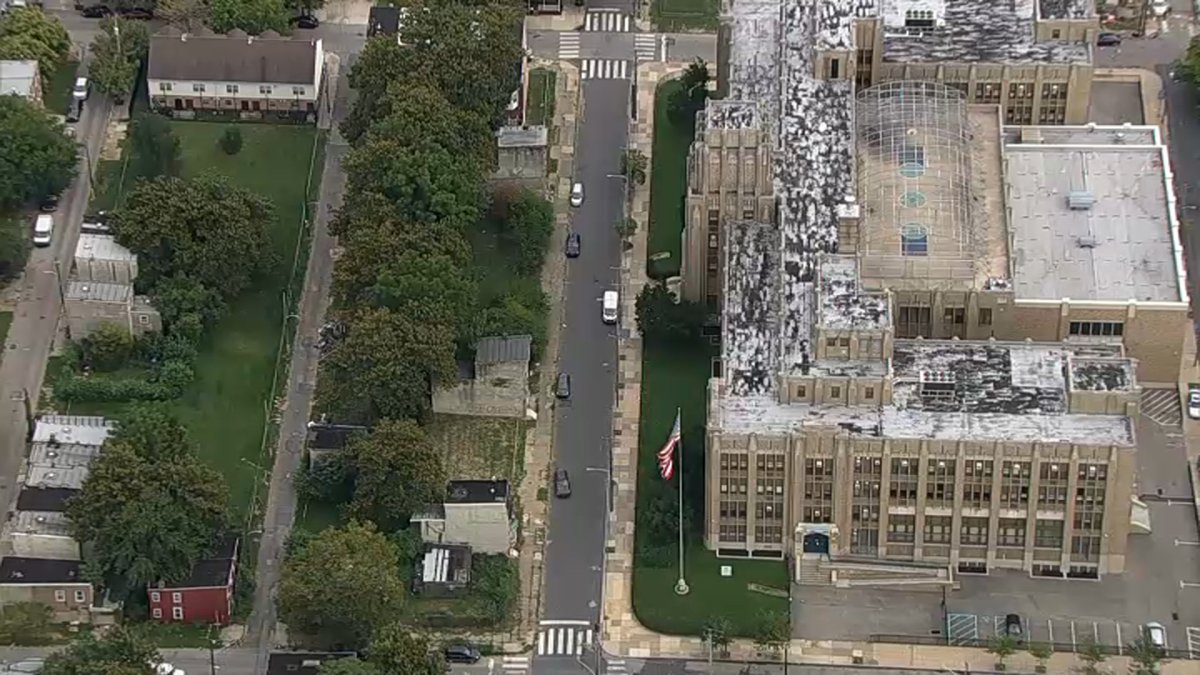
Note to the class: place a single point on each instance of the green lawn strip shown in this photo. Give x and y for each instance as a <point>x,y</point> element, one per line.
<point>677,378</point>
<point>317,515</point>
<point>56,96</point>
<point>668,185</point>
<point>107,188</point>
<point>684,15</point>
<point>539,107</point>
<point>6,319</point>
<point>176,635</point>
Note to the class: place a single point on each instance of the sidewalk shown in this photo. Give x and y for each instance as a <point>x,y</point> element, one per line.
<point>623,635</point>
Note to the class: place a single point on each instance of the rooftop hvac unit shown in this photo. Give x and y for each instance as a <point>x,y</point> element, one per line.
<point>1080,200</point>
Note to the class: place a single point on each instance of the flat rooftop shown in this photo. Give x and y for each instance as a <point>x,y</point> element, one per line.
<point>844,305</point>
<point>62,454</point>
<point>751,306</point>
<point>102,247</point>
<point>50,523</point>
<point>97,291</point>
<point>56,477</point>
<point>17,570</point>
<point>72,429</point>
<point>477,492</point>
<point>1091,217</point>
<point>44,499</point>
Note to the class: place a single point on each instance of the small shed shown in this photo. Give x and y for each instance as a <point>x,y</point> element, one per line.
<point>444,571</point>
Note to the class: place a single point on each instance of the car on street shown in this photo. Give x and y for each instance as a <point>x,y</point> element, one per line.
<point>49,204</point>
<point>462,654</point>
<point>562,386</point>
<point>1108,40</point>
<point>74,111</point>
<point>95,12</point>
<point>43,229</point>
<point>577,195</point>
<point>574,244</point>
<point>81,90</point>
<point>1156,634</point>
<point>609,307</point>
<point>1193,404</point>
<point>1012,625</point>
<point>562,484</point>
<point>304,21</point>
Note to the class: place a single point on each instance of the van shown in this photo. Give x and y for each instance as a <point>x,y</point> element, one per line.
<point>609,310</point>
<point>43,229</point>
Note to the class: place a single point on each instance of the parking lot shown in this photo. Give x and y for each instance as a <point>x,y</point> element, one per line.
<point>969,629</point>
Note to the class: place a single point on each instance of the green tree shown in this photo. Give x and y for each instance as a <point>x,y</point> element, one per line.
<point>186,15</point>
<point>416,114</point>
<point>14,246</point>
<point>304,6</point>
<point>327,480</point>
<point>153,432</point>
<point>251,16</point>
<point>36,156</point>
<point>120,651</point>
<point>397,470</point>
<point>382,64</point>
<point>626,228</point>
<point>497,585</point>
<point>396,650</point>
<point>426,183</point>
<point>688,99</point>
<point>1041,652</point>
<point>1002,647</point>
<point>350,665</point>
<point>1091,655</point>
<point>30,33</point>
<point>518,309</point>
<point>205,228</point>
<point>147,520</point>
<point>718,633</point>
<point>155,148</point>
<point>340,586</point>
<point>527,229</point>
<point>117,53</point>
<point>1189,66</point>
<point>663,320</point>
<point>186,305</point>
<point>1147,657</point>
<point>108,347</point>
<point>26,623</point>
<point>387,362</point>
<point>231,141</point>
<point>634,165</point>
<point>772,631</point>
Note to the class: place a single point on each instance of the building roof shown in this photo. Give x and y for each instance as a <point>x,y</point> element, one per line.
<point>751,263</point>
<point>212,572</point>
<point>1092,215</point>
<point>844,304</point>
<point>228,58</point>
<point>53,476</point>
<point>324,436</point>
<point>72,429</point>
<point>16,570</point>
<point>445,564</point>
<point>44,499</point>
<point>102,247</point>
<point>385,20</point>
<point>477,491</point>
<point>515,348</point>
<point>96,291</point>
<point>49,523</point>
<point>18,77</point>
<point>535,136</point>
<point>62,455</point>
<point>301,663</point>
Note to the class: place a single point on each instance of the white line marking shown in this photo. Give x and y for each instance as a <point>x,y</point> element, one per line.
<point>587,636</point>
<point>542,643</point>
<point>1189,584</point>
<point>1187,543</point>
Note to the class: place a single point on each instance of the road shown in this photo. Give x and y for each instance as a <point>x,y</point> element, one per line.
<point>547,44</point>
<point>36,315</point>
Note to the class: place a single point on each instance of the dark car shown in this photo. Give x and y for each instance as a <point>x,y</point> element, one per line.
<point>562,484</point>
<point>574,245</point>
<point>74,111</point>
<point>1108,40</point>
<point>1012,625</point>
<point>462,654</point>
<point>304,21</point>
<point>49,204</point>
<point>96,11</point>
<point>562,387</point>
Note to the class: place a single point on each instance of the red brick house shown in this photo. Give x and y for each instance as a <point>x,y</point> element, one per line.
<point>205,596</point>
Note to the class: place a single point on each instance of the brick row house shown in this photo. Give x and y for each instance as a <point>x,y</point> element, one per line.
<point>205,596</point>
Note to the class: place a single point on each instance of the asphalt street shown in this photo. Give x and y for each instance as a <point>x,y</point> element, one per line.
<point>680,46</point>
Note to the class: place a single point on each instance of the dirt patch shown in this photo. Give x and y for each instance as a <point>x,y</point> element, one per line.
<point>479,448</point>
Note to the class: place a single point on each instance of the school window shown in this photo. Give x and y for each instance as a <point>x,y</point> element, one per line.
<point>985,316</point>
<point>264,89</point>
<point>901,529</point>
<point>801,391</point>
<point>298,91</point>
<point>937,529</point>
<point>835,392</point>
<point>1055,34</point>
<point>1097,328</point>
<point>835,68</point>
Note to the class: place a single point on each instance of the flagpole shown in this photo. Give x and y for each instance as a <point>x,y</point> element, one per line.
<point>681,586</point>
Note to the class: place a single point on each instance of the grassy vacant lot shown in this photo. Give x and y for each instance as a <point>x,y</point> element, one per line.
<point>676,378</point>
<point>668,185</point>
<point>477,447</point>
<point>684,15</point>
<point>539,106</point>
<point>57,94</point>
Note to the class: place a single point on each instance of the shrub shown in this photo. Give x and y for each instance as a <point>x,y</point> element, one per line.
<point>108,347</point>
<point>231,141</point>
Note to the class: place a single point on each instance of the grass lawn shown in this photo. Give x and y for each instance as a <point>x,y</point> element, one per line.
<point>6,319</point>
<point>177,635</point>
<point>668,186</point>
<point>539,108</point>
<point>677,378</point>
<point>108,177</point>
<point>480,446</point>
<point>57,94</point>
<point>684,15</point>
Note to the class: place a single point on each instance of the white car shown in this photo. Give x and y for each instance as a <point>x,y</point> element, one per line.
<point>43,229</point>
<point>1156,634</point>
<point>577,195</point>
<point>1193,404</point>
<point>80,91</point>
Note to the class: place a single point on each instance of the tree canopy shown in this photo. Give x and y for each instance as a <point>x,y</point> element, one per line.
<point>186,15</point>
<point>205,228</point>
<point>152,431</point>
<point>396,650</point>
<point>397,470</point>
<point>661,319</point>
<point>30,33</point>
<point>117,53</point>
<point>154,147</point>
<point>340,585</point>
<point>251,16</point>
<point>119,652</point>
<point>36,156</point>
<point>426,183</point>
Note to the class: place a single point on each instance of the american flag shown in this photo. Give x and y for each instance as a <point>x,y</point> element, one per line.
<point>666,456</point>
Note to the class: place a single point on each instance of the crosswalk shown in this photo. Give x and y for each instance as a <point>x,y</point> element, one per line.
<point>568,46</point>
<point>563,638</point>
<point>606,21</point>
<point>1193,642</point>
<point>645,46</point>
<point>604,69</point>
<point>514,665</point>
<point>615,667</point>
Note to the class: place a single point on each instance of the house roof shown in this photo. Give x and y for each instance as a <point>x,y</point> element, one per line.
<point>44,499</point>
<point>15,570</point>
<point>504,349</point>
<point>214,571</point>
<point>102,247</point>
<point>477,491</point>
<point>332,436</point>
<point>67,429</point>
<point>18,77</point>
<point>224,58</point>
<point>300,663</point>
<point>96,291</point>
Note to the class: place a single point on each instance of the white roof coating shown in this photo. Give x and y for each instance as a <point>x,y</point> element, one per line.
<point>751,305</point>
<point>18,77</point>
<point>844,305</point>
<point>60,477</point>
<point>1119,243</point>
<point>41,522</point>
<point>68,429</point>
<point>63,454</point>
<point>102,247</point>
<point>99,291</point>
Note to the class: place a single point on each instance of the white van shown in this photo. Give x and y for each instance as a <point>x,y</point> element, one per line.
<point>609,308</point>
<point>43,229</point>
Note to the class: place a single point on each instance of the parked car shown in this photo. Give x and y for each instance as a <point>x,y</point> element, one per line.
<point>304,21</point>
<point>1108,40</point>
<point>562,484</point>
<point>49,204</point>
<point>43,229</point>
<point>562,387</point>
<point>1193,404</point>
<point>574,244</point>
<point>462,654</point>
<point>95,12</point>
<point>577,195</point>
<point>81,90</point>
<point>74,111</point>
<point>1012,625</point>
<point>1156,634</point>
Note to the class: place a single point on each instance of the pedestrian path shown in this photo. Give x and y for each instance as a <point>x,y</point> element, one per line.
<point>646,46</point>
<point>604,69</point>
<point>606,21</point>
<point>514,665</point>
<point>568,46</point>
<point>563,638</point>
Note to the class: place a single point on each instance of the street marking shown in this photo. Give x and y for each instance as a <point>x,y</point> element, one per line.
<point>962,629</point>
<point>1189,584</point>
<point>568,46</point>
<point>1193,641</point>
<point>564,622</point>
<point>606,20</point>
<point>604,69</point>
<point>645,47</point>
<point>1187,543</point>
<point>566,640</point>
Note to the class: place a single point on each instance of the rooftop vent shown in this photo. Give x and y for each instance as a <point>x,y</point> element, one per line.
<point>1080,200</point>
<point>1087,242</point>
<point>938,383</point>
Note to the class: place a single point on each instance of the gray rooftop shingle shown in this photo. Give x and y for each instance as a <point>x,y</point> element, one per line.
<point>219,58</point>
<point>516,348</point>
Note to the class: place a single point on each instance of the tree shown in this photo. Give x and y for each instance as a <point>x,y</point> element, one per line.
<point>108,347</point>
<point>14,246</point>
<point>497,585</point>
<point>626,228</point>
<point>772,631</point>
<point>36,156</point>
<point>416,114</point>
<point>387,362</point>
<point>661,319</point>
<point>633,166</point>
<point>304,6</point>
<point>187,306</point>
<point>117,54</point>
<point>426,183</point>
<point>205,228</point>
<point>26,623</point>
<point>717,632</point>
<point>382,63</point>
<point>527,229</point>
<point>327,480</point>
<point>251,16</point>
<point>1092,655</point>
<point>30,33</point>
<point>350,665</point>
<point>397,470</point>
<point>155,148</point>
<point>688,98</point>
<point>145,520</point>
<point>119,652</point>
<point>186,15</point>
<point>519,309</point>
<point>340,586</point>
<point>1041,652</point>
<point>1189,65</point>
<point>153,432</point>
<point>231,141</point>
<point>396,650</point>
<point>1147,657</point>
<point>1002,646</point>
